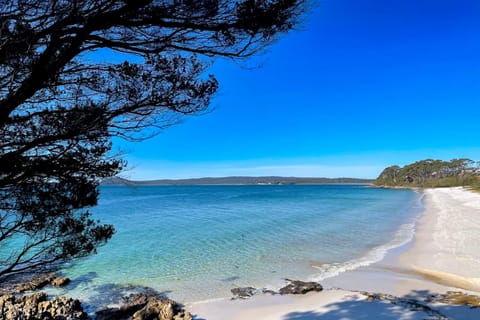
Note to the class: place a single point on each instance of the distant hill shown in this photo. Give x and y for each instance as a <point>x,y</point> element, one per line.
<point>273,180</point>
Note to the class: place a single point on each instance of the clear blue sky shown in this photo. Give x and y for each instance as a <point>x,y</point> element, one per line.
<point>361,85</point>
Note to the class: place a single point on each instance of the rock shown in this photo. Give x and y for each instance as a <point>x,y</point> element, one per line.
<point>145,306</point>
<point>62,308</point>
<point>34,283</point>
<point>30,304</point>
<point>371,298</point>
<point>265,291</point>
<point>458,298</point>
<point>243,292</point>
<point>36,306</point>
<point>135,302</point>
<point>60,281</point>
<point>6,300</point>
<point>377,296</point>
<point>156,308</point>
<point>9,310</point>
<point>183,316</point>
<point>300,287</point>
<point>131,304</point>
<point>166,309</point>
<point>40,282</point>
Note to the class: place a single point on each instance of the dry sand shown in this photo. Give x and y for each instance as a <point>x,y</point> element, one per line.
<point>444,256</point>
<point>447,241</point>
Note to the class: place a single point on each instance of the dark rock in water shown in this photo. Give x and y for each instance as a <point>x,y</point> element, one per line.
<point>265,291</point>
<point>36,306</point>
<point>230,279</point>
<point>60,281</point>
<point>243,292</point>
<point>300,287</point>
<point>35,283</point>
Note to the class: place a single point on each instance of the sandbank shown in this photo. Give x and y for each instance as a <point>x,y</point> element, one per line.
<point>443,256</point>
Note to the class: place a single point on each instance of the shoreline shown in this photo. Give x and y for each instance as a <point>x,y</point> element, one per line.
<point>414,279</point>
<point>449,234</point>
<point>403,272</point>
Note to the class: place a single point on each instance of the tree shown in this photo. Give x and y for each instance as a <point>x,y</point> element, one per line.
<point>60,105</point>
<point>388,176</point>
<point>430,173</point>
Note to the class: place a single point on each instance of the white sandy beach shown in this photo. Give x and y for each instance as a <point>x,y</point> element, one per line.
<point>444,256</point>
<point>447,243</point>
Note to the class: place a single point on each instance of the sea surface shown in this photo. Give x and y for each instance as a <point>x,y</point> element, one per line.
<point>197,242</point>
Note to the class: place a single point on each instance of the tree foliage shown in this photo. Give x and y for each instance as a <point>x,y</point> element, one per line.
<point>61,102</point>
<point>431,173</point>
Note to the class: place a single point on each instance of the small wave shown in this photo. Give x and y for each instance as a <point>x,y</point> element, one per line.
<point>421,198</point>
<point>104,202</point>
<point>403,236</point>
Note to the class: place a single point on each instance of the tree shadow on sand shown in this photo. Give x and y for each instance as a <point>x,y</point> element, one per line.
<point>415,305</point>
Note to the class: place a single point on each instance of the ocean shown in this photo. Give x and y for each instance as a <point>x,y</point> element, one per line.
<point>195,243</point>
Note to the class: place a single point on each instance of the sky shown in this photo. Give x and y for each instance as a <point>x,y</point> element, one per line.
<point>360,85</point>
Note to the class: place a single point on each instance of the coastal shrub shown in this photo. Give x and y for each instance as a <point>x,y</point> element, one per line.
<point>431,174</point>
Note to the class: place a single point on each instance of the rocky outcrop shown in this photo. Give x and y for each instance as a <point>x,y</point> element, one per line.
<point>60,281</point>
<point>40,282</point>
<point>294,287</point>
<point>145,306</point>
<point>37,306</point>
<point>34,284</point>
<point>300,287</point>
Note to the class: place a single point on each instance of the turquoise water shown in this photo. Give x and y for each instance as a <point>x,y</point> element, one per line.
<point>198,242</point>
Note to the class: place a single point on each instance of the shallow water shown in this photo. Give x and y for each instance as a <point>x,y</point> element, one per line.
<point>198,242</point>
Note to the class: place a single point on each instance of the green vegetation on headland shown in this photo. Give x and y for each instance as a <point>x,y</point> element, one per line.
<point>272,180</point>
<point>431,173</point>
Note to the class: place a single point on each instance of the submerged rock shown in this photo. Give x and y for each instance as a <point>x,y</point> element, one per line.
<point>37,283</point>
<point>243,292</point>
<point>300,287</point>
<point>268,291</point>
<point>60,281</point>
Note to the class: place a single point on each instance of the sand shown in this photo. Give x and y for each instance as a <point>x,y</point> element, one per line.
<point>444,256</point>
<point>447,241</point>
